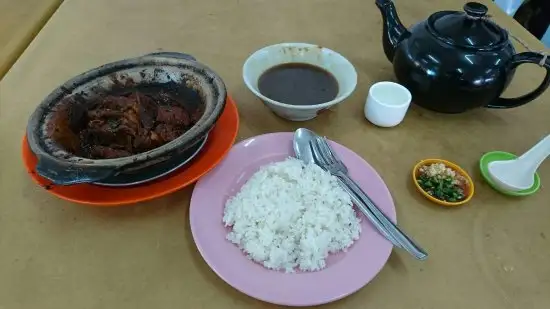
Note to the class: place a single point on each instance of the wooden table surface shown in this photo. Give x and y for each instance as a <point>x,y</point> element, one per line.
<point>492,253</point>
<point>20,21</point>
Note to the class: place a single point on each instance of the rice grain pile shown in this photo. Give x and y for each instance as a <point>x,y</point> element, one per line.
<point>290,215</point>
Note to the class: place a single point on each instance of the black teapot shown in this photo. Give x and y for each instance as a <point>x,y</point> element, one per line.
<point>456,61</point>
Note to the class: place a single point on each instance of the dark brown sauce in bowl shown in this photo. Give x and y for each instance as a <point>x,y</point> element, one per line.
<point>298,84</point>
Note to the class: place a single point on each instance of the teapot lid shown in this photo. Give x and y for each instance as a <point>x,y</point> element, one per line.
<point>468,29</point>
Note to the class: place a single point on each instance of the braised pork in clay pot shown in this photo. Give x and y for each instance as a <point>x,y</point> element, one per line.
<point>124,125</point>
<point>124,116</point>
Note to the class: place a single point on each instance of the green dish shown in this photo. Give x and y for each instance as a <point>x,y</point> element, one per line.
<point>500,156</point>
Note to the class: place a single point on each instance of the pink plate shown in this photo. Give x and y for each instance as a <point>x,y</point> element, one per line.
<point>345,272</point>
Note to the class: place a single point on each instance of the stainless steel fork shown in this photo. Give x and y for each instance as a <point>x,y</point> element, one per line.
<point>356,199</point>
<point>331,163</point>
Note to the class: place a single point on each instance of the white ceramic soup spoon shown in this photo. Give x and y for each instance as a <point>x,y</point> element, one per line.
<point>519,174</point>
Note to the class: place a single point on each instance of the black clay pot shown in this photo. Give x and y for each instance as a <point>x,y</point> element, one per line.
<point>175,73</point>
<point>456,61</point>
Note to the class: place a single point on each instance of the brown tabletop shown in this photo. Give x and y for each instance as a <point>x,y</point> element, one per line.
<point>491,253</point>
<point>20,21</point>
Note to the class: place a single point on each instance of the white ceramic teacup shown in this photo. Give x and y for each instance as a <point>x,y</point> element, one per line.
<point>387,104</point>
<point>270,56</point>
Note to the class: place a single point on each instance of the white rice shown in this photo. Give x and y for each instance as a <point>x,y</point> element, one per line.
<point>290,215</point>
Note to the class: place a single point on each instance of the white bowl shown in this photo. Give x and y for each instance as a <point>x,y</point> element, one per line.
<point>270,56</point>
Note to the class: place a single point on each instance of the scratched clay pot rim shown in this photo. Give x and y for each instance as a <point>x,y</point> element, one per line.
<point>194,74</point>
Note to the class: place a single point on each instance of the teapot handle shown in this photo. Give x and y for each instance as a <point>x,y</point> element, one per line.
<point>518,59</point>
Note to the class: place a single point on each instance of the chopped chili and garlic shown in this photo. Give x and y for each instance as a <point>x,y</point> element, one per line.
<point>442,182</point>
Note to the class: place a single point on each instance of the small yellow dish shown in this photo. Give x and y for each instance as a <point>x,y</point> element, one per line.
<point>469,192</point>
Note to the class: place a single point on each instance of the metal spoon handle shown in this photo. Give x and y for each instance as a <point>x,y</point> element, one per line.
<point>407,243</point>
<point>366,211</point>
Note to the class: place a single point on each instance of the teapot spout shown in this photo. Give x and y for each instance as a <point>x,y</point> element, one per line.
<point>394,31</point>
